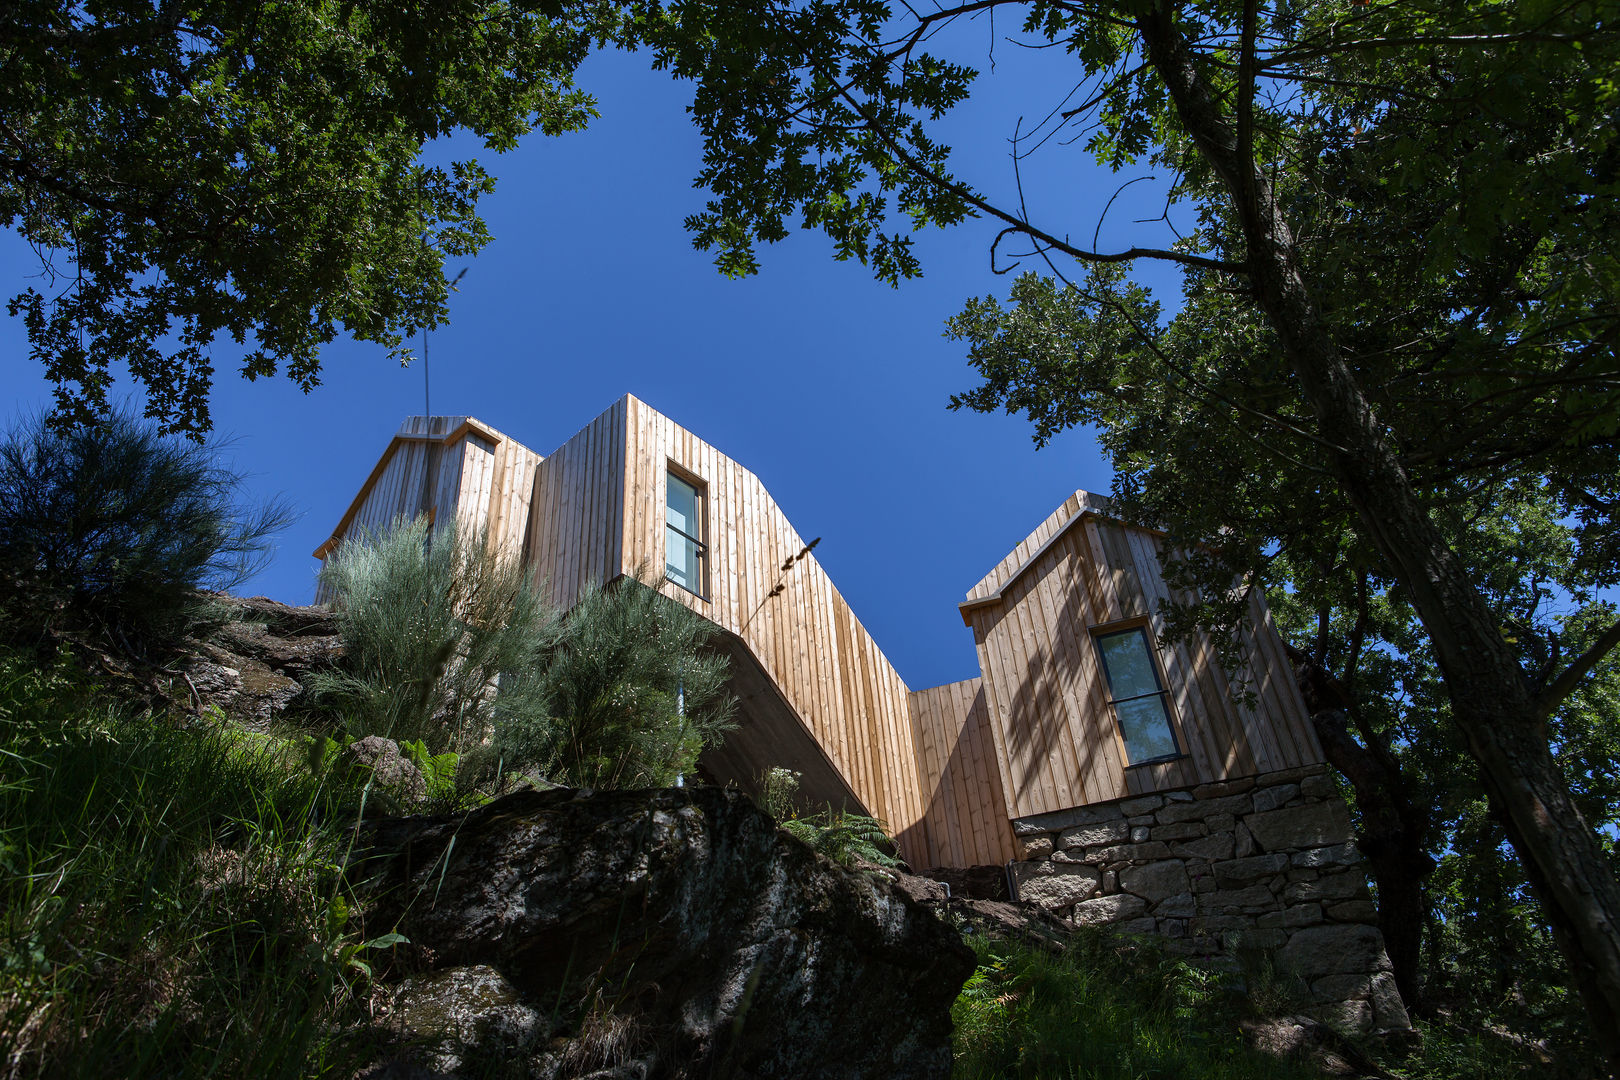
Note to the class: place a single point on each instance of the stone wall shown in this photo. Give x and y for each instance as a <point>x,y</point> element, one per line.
<point>1263,865</point>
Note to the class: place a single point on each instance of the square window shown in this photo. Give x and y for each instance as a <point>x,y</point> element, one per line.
<point>685,552</point>
<point>1141,706</point>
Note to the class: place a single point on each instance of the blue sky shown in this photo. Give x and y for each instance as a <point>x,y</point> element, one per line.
<point>829,385</point>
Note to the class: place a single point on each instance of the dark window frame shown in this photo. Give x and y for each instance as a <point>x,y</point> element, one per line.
<point>700,545</point>
<point>1141,628</point>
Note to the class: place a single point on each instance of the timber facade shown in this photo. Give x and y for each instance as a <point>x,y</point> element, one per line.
<point>1078,701</point>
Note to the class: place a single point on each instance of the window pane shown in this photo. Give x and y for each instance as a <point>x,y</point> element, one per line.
<point>1130,666</point>
<point>682,512</point>
<point>681,562</point>
<point>1146,728</point>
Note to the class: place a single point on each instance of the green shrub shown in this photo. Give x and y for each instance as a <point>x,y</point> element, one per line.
<point>440,639</point>
<point>841,835</point>
<point>450,647</point>
<point>108,532</point>
<point>635,693</point>
<point>1101,1010</point>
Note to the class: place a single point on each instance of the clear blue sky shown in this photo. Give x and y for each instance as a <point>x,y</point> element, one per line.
<point>829,385</point>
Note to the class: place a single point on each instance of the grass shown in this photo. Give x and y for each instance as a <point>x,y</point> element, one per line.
<point>1101,1010</point>
<point>169,902</point>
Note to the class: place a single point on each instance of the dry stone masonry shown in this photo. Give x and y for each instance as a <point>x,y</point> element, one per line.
<point>1263,866</point>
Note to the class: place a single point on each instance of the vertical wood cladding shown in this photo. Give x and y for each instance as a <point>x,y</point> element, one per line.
<point>945,767</point>
<point>965,822</point>
<point>1056,734</point>
<point>805,637</point>
<point>452,467</point>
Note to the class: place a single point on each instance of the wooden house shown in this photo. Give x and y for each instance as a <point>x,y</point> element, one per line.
<point>1078,701</point>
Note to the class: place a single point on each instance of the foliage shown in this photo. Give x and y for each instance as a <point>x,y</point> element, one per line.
<point>252,171</point>
<point>107,533</point>
<point>842,836</point>
<point>430,622</point>
<point>448,645</point>
<point>169,904</point>
<point>1398,314</point>
<point>635,694</point>
<point>1100,1009</point>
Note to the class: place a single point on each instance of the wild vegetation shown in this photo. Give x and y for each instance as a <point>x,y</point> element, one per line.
<point>171,902</point>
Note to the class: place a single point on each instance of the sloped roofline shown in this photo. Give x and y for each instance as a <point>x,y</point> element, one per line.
<point>468,426</point>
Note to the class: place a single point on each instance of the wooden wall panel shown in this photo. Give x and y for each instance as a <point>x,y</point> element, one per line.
<point>1046,695</point>
<point>806,638</point>
<point>453,467</point>
<point>575,517</point>
<point>965,822</point>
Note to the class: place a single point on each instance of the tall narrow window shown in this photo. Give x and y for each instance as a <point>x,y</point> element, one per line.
<point>1140,704</point>
<point>684,550</point>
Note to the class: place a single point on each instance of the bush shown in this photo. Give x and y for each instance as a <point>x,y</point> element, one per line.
<point>448,645</point>
<point>635,693</point>
<point>841,835</point>
<point>108,532</point>
<point>440,638</point>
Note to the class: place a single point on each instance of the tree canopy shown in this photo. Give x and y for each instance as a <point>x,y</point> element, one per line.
<point>1400,306</point>
<point>238,181</point>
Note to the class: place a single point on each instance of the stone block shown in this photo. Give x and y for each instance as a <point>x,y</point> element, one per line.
<point>1141,819</point>
<point>1318,787</point>
<point>1262,939</point>
<point>1110,881</point>
<point>1352,1017</point>
<point>1142,804</point>
<point>1357,911</point>
<point>1147,852</point>
<point>1183,830</point>
<point>1344,885</point>
<point>1222,788</point>
<point>1216,846</point>
<point>1105,832</point>
<point>1156,881</point>
<point>1179,906</point>
<point>1274,797</point>
<point>1217,924</point>
<point>1055,885</point>
<point>1389,1011</point>
<point>1239,872</point>
<point>1321,825</point>
<point>1288,776</point>
<point>1229,901</point>
<point>1302,915</point>
<point>1178,796</point>
<point>1222,822</point>
<point>1036,847</point>
<point>1139,835</point>
<point>1109,909</point>
<point>1244,840</point>
<point>1341,987</point>
<point>1145,925</point>
<point>1058,820</point>
<point>1203,808</point>
<point>1269,920</point>
<point>1337,855</point>
<point>1333,949</point>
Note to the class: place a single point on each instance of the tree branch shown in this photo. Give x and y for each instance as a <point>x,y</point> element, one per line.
<point>1565,684</point>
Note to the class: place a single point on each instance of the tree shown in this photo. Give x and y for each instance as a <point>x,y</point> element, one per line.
<point>246,170</point>
<point>1401,301</point>
<point>109,532</point>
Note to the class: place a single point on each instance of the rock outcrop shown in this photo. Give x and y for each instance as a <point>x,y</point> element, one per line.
<point>654,934</point>
<point>251,667</point>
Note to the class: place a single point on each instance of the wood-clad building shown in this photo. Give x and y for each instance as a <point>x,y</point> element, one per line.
<point>1077,702</point>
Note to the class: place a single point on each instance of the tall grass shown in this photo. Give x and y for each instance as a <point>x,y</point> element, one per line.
<point>1101,1010</point>
<point>168,897</point>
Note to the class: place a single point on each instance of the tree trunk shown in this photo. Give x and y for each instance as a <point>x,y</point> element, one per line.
<point>1491,701</point>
